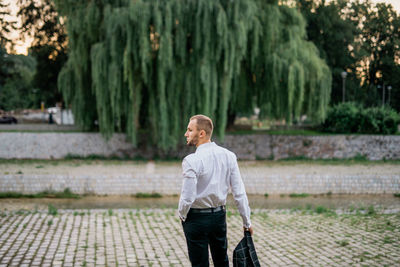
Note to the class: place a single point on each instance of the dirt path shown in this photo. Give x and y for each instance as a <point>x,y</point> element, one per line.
<point>105,167</point>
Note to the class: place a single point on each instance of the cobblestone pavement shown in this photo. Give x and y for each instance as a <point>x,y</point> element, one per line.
<point>154,237</point>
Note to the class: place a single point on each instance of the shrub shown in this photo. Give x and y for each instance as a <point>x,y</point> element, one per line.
<point>379,120</point>
<point>352,118</point>
<point>342,118</point>
<point>390,121</point>
<point>369,121</point>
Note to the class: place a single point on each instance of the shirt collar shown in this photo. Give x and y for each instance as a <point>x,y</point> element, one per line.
<point>205,146</point>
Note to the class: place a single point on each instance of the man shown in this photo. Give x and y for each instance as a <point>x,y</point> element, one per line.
<point>207,176</point>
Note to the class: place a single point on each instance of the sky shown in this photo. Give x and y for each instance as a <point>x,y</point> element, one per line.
<point>22,47</point>
<point>395,3</point>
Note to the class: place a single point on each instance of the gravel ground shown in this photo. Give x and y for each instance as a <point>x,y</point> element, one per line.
<point>154,237</point>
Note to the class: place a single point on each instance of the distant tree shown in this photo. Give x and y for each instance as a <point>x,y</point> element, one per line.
<point>334,35</point>
<point>41,21</point>
<point>361,38</point>
<point>379,44</point>
<point>6,26</point>
<point>149,65</point>
<point>16,91</point>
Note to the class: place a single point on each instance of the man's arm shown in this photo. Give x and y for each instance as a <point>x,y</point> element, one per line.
<point>188,194</point>
<point>239,194</point>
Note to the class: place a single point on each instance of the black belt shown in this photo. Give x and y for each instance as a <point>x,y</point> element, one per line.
<point>208,210</point>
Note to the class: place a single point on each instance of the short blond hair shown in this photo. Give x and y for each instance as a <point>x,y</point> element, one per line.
<point>203,123</point>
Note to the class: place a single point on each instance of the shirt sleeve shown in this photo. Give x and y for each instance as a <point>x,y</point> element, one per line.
<point>188,194</point>
<point>239,193</point>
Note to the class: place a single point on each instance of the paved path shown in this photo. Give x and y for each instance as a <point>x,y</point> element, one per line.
<point>129,237</point>
<point>130,177</point>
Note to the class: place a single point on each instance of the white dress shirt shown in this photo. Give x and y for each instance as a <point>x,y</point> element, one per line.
<point>208,174</point>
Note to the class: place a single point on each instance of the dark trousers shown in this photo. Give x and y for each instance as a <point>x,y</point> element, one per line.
<point>203,230</point>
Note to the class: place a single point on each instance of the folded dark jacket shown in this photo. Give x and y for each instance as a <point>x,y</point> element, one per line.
<point>245,254</point>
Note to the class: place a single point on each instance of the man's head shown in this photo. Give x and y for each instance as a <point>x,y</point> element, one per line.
<point>199,130</point>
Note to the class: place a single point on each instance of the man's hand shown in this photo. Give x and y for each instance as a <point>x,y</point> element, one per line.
<point>249,230</point>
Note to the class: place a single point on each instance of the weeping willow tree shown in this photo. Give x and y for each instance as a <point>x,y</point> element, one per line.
<point>148,65</point>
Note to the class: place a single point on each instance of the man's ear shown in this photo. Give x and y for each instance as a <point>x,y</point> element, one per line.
<point>202,133</point>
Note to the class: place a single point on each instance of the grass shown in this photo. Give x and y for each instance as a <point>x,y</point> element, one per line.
<point>387,240</point>
<point>371,210</point>
<point>342,243</point>
<point>321,209</point>
<point>38,131</point>
<point>52,210</point>
<point>299,195</point>
<point>45,194</point>
<point>147,195</point>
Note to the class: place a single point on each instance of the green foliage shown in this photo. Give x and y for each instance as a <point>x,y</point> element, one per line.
<point>362,38</point>
<point>16,73</point>
<point>149,65</point>
<point>343,118</point>
<point>40,21</point>
<point>148,195</point>
<point>379,120</point>
<point>52,210</point>
<point>352,118</point>
<point>332,33</point>
<point>371,211</point>
<point>380,43</point>
<point>45,194</point>
<point>321,209</point>
<point>343,242</point>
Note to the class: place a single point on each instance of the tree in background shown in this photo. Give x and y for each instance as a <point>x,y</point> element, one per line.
<point>379,45</point>
<point>17,91</point>
<point>5,27</point>
<point>15,71</point>
<point>40,20</point>
<point>361,38</point>
<point>150,65</point>
<point>334,35</point>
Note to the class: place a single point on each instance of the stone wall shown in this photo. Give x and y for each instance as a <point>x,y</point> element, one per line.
<point>247,147</point>
<point>372,147</point>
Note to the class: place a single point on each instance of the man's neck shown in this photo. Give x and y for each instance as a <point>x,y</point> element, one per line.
<point>203,142</point>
